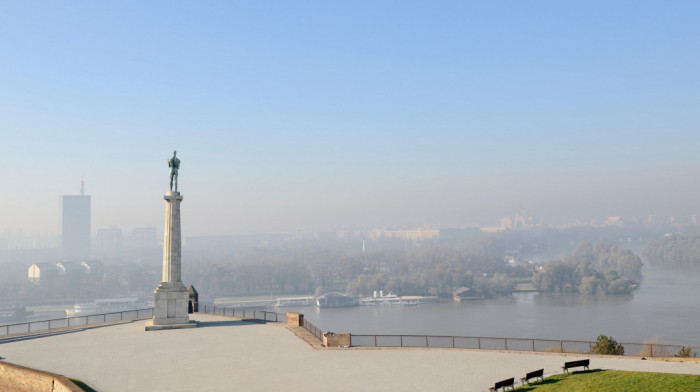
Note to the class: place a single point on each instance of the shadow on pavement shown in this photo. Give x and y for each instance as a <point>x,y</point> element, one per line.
<point>229,323</point>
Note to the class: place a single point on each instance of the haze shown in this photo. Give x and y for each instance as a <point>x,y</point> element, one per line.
<point>316,116</point>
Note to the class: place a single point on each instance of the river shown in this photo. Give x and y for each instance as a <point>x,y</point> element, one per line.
<point>665,307</point>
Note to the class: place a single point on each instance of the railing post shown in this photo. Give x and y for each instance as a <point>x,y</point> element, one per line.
<point>453,342</point>
<point>478,343</point>
<point>375,340</point>
<point>49,324</point>
<point>426,340</point>
<point>533,345</point>
<point>505,343</point>
<point>651,353</point>
<point>400,340</point>
<point>561,346</point>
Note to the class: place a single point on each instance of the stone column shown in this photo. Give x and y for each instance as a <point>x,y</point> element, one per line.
<point>171,295</point>
<point>172,241</point>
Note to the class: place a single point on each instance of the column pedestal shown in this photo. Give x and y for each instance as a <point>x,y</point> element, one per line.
<point>171,295</point>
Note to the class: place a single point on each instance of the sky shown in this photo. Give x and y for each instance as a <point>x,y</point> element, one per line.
<point>313,116</point>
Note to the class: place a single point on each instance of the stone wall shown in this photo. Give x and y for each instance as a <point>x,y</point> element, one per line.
<point>22,379</point>
<point>331,339</point>
<point>295,319</point>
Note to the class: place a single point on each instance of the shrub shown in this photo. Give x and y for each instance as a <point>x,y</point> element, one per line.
<point>606,345</point>
<point>684,352</point>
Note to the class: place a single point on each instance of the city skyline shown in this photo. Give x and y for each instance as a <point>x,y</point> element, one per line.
<point>321,116</point>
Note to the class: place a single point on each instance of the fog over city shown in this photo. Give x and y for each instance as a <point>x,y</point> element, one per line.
<point>532,154</point>
<point>316,117</point>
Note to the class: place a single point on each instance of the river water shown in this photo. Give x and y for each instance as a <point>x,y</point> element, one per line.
<point>665,307</point>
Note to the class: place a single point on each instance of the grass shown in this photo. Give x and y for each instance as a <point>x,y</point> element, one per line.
<point>615,381</point>
<point>82,385</point>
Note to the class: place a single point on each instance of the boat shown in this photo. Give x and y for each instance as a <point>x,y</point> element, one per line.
<point>381,299</point>
<point>10,313</point>
<point>298,301</point>
<point>336,300</point>
<point>393,299</point>
<point>106,305</point>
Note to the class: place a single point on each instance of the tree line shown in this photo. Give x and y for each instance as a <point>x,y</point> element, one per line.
<point>603,268</point>
<point>676,251</point>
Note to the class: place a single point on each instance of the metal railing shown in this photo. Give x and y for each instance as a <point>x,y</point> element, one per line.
<point>313,329</point>
<point>262,315</point>
<point>249,314</point>
<point>74,322</point>
<point>512,344</point>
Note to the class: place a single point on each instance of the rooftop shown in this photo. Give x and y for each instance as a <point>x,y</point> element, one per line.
<point>224,353</point>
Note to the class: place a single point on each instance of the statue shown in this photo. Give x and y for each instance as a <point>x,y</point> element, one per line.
<point>174,165</point>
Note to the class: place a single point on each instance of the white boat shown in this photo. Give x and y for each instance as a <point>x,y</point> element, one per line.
<point>106,305</point>
<point>381,299</point>
<point>392,299</point>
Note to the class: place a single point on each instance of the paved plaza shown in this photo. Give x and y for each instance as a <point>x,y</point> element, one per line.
<point>224,354</point>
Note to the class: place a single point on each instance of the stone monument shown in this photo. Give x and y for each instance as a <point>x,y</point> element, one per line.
<point>171,295</point>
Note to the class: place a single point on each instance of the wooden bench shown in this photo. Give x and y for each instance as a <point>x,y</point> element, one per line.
<point>536,374</point>
<point>573,364</point>
<point>503,384</point>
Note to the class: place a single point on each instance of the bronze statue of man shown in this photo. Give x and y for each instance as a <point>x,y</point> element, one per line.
<point>174,165</point>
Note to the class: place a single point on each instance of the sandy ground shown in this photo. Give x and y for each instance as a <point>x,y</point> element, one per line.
<point>224,354</point>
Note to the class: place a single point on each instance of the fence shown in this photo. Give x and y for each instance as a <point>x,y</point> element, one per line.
<point>76,321</point>
<point>250,314</point>
<point>261,315</point>
<point>515,344</point>
<point>313,329</point>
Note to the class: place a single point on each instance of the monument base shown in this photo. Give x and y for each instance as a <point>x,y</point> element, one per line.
<point>151,327</point>
<point>170,310</point>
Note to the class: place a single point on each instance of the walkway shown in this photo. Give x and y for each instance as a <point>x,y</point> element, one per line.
<point>226,354</point>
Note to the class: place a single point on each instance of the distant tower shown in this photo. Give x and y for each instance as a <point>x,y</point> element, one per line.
<point>75,226</point>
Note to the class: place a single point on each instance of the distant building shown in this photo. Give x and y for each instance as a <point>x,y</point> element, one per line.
<point>93,267</point>
<point>491,229</point>
<point>75,227</point>
<point>408,235</point>
<point>507,223</point>
<point>614,221</point>
<point>109,240</point>
<point>39,271</point>
<point>67,268</point>
<point>143,238</point>
<point>335,300</point>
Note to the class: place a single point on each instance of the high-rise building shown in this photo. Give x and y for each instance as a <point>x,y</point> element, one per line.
<point>75,227</point>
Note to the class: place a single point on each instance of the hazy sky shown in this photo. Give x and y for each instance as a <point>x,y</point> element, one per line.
<point>319,115</point>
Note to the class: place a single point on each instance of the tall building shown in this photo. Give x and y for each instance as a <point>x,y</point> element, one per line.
<point>75,227</point>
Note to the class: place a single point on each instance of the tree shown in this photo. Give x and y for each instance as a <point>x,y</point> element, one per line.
<point>606,345</point>
<point>684,352</point>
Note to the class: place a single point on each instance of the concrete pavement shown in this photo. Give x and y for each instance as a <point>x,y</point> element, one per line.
<point>224,354</point>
